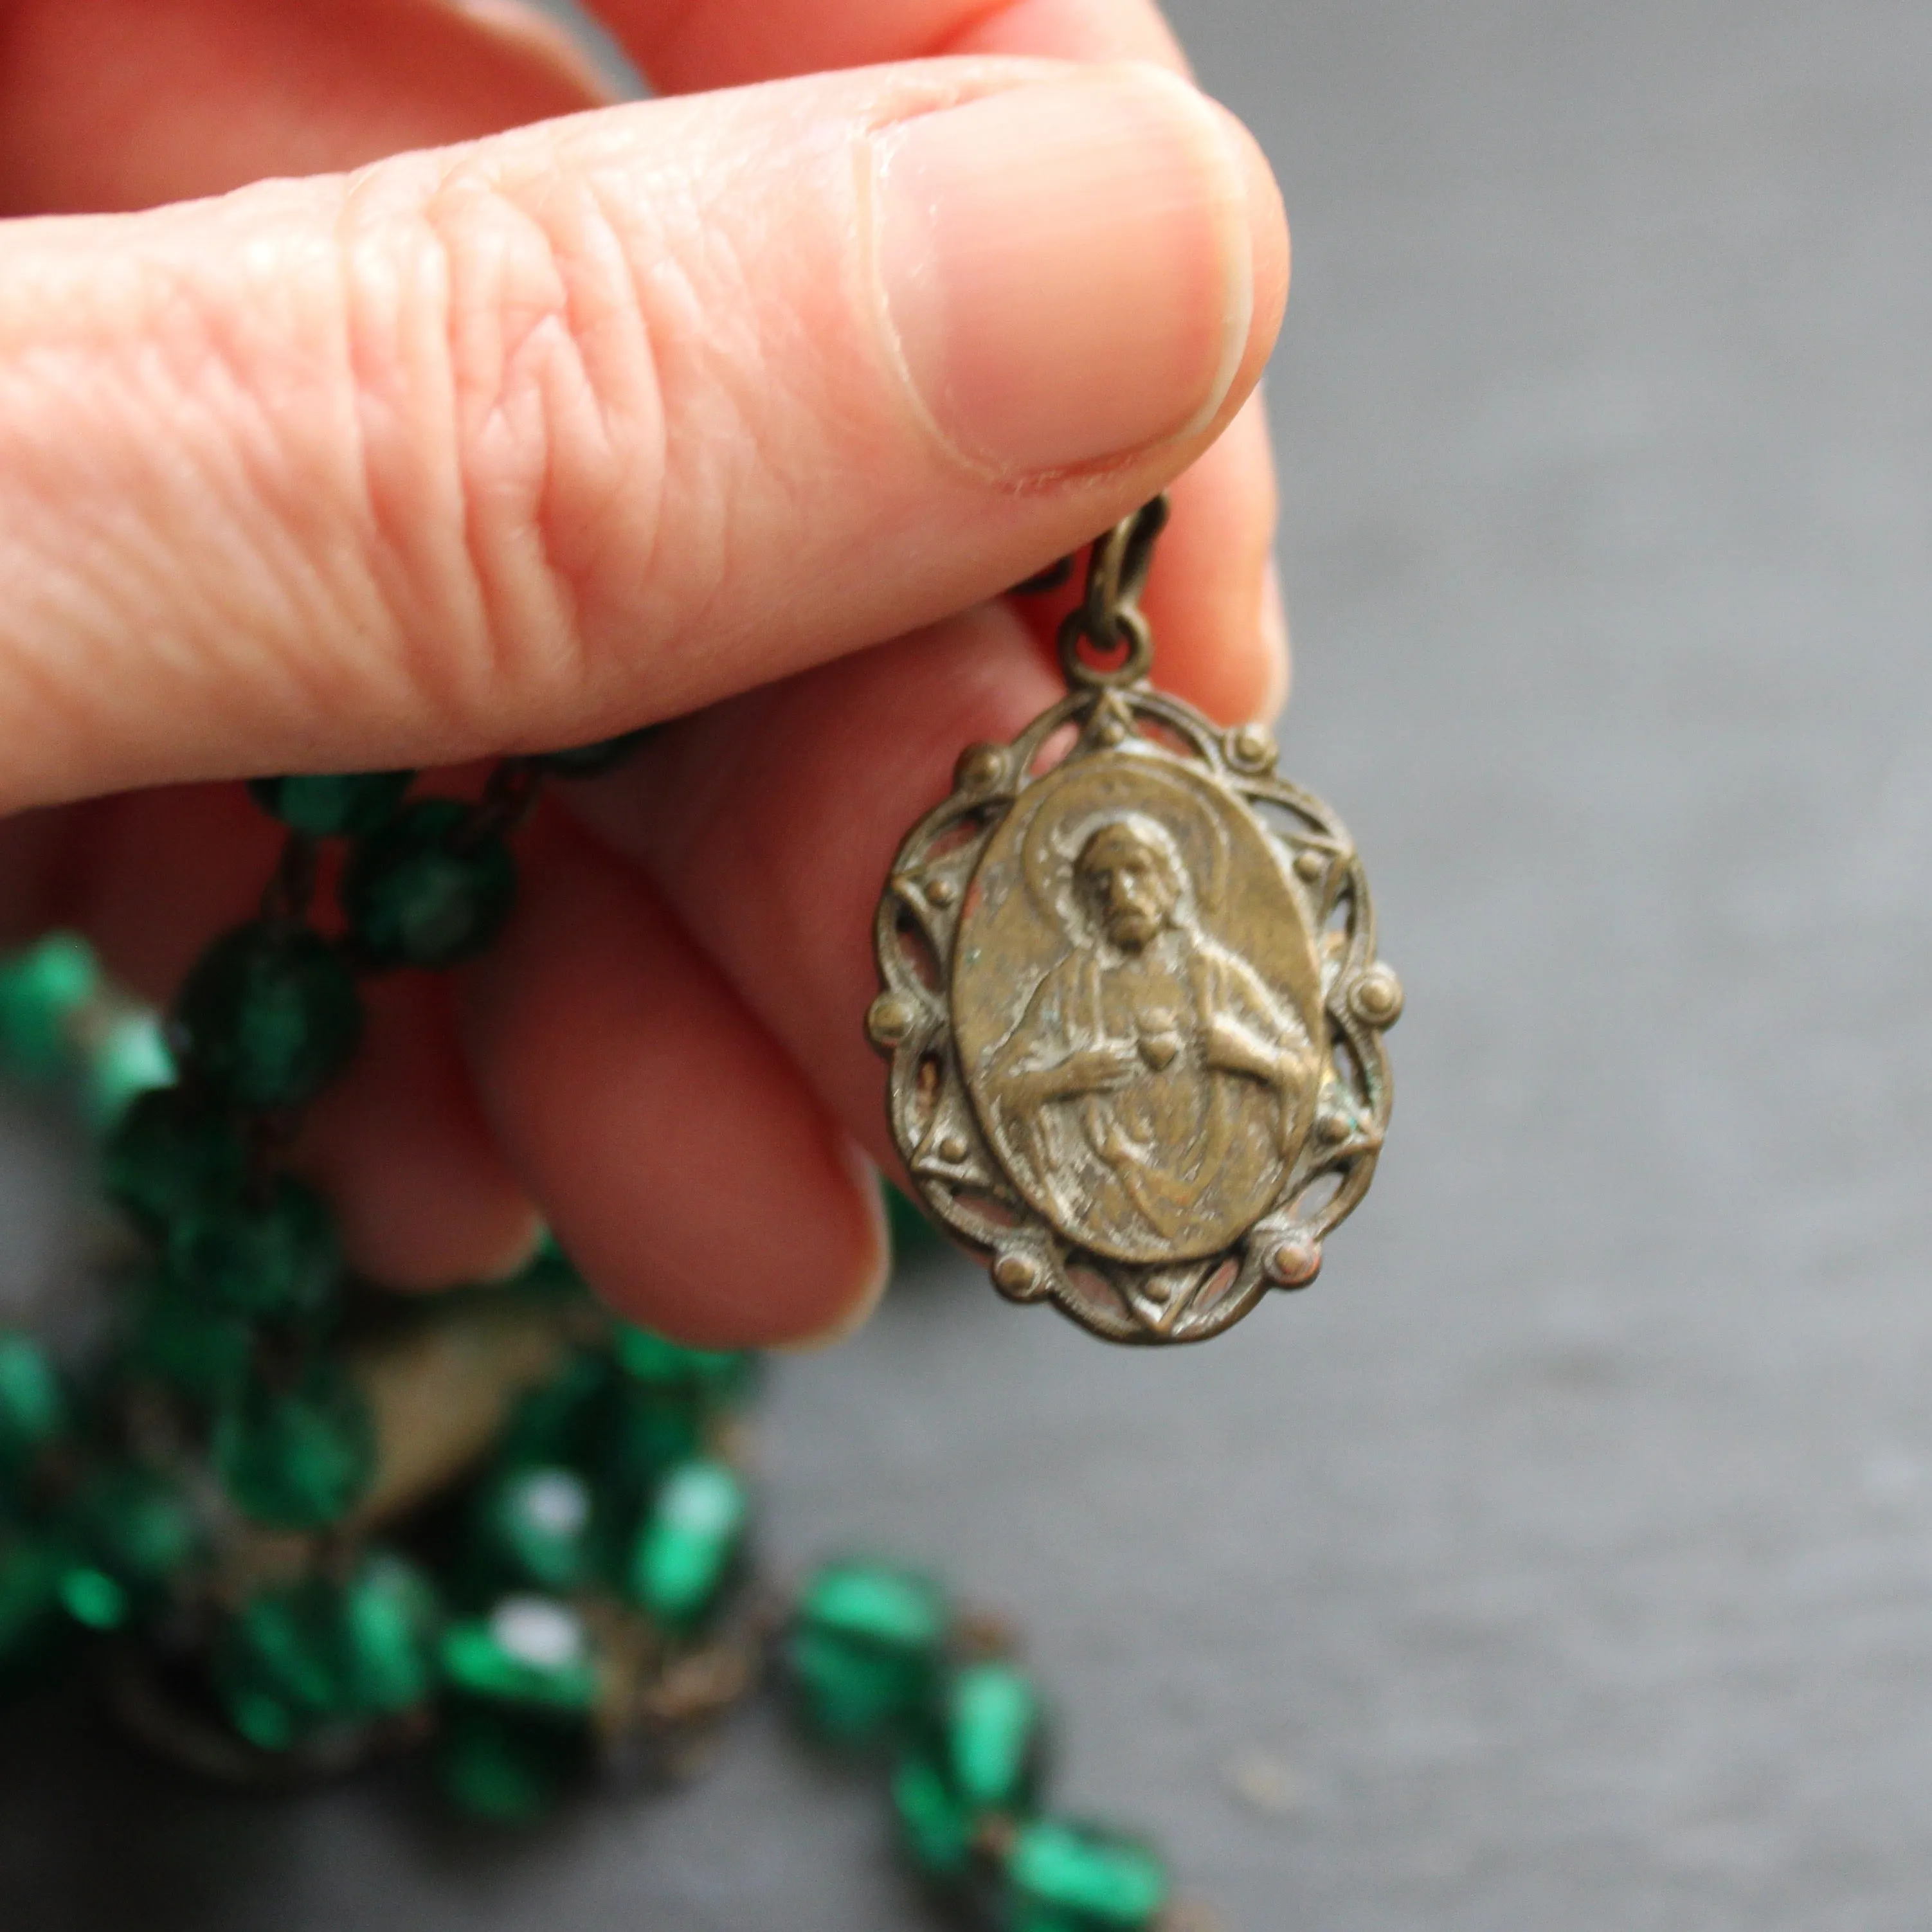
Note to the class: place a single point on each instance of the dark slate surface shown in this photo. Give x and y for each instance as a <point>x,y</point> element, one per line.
<point>1565,1558</point>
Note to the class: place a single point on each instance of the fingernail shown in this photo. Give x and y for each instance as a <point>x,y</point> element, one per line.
<point>1069,266</point>
<point>872,1275</point>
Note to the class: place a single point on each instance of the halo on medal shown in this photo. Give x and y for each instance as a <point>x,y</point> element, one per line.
<point>1133,1011</point>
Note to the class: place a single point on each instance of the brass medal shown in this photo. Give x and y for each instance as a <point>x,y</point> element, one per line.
<point>1131,999</point>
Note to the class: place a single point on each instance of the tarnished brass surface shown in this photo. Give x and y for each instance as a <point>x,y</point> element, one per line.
<point>1131,1000</point>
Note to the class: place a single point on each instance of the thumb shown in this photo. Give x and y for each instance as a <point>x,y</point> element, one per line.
<point>517,444</point>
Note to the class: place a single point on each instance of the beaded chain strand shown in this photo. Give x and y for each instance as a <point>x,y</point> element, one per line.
<point>300,1523</point>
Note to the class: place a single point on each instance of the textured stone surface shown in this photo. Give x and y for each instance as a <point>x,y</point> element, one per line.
<point>1563,1557</point>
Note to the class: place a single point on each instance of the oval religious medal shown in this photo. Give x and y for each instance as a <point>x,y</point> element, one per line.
<point>1131,999</point>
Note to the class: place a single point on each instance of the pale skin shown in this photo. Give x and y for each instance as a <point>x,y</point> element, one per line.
<point>707,409</point>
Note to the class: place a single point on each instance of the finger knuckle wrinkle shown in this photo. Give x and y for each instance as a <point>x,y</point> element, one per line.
<point>518,431</point>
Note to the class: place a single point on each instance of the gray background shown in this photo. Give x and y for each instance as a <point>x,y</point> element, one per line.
<point>1565,1558</point>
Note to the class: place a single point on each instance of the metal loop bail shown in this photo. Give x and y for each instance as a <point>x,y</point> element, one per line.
<point>1109,616</point>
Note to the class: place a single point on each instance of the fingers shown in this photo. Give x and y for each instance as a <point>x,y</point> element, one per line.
<point>769,824</point>
<point>706,43</point>
<point>682,1161</point>
<point>127,103</point>
<point>521,443</point>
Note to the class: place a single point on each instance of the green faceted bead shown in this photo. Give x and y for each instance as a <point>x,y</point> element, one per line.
<point>1065,1877</point>
<point>40,991</point>
<point>33,1407</point>
<point>131,1059</point>
<point>416,894</point>
<point>689,1543</point>
<point>934,1827</point>
<point>534,1526</point>
<point>332,804</point>
<point>509,1767</point>
<point>530,1652</point>
<point>992,1724</point>
<point>391,1623</point>
<point>276,1259</point>
<point>197,1351</point>
<point>171,1150</point>
<point>670,1368</point>
<point>590,761</point>
<point>864,1649</point>
<point>299,1458</point>
<point>269,1015</point>
<point>135,1526</point>
<point>278,1665</point>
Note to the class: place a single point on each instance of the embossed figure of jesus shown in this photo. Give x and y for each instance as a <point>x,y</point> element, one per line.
<point>1154,1085</point>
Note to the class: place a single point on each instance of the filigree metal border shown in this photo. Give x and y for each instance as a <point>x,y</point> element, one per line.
<point>946,1152</point>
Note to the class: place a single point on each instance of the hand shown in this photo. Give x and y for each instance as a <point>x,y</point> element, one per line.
<point>1097,1069</point>
<point>681,408</point>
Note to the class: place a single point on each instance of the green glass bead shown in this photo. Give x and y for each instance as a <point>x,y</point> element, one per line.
<point>912,1233</point>
<point>277,1664</point>
<point>276,1259</point>
<point>33,1407</point>
<point>534,1528</point>
<point>992,1725</point>
<point>40,989</point>
<point>391,1621</point>
<point>558,1422</point>
<point>670,1368</point>
<point>92,1597</point>
<point>508,1767</point>
<point>130,1059</point>
<point>642,1434</point>
<point>196,1350</point>
<point>689,1543</point>
<point>415,894</point>
<point>1067,1877</point>
<point>590,761</point>
<point>135,1526</point>
<point>327,804</point>
<point>864,1649</point>
<point>529,1652</point>
<point>171,1150</point>
<point>269,1015</point>
<point>934,1827</point>
<point>298,1458</point>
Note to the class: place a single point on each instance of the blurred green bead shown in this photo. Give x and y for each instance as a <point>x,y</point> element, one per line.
<point>298,1657</point>
<point>642,1434</point>
<point>299,1458</point>
<point>33,1406</point>
<point>508,1767</point>
<point>278,1258</point>
<point>991,1723</point>
<point>278,1665</point>
<point>171,1150</point>
<point>40,991</point>
<point>534,1528</point>
<point>529,1652</point>
<point>558,1422</point>
<point>912,1232</point>
<point>391,1621</point>
<point>332,804</point>
<point>590,761</point>
<point>864,1648</point>
<point>130,1060</point>
<point>92,1597</point>
<point>689,1543</point>
<point>136,1526</point>
<point>268,1016</point>
<point>416,894</point>
<point>1066,1877</point>
<point>196,1350</point>
<point>934,1827</point>
<point>669,1367</point>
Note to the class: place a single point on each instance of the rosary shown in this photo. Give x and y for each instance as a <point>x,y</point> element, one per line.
<point>1132,1012</point>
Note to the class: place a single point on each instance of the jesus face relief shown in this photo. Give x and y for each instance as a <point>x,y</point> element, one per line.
<point>1128,883</point>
